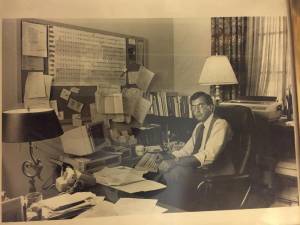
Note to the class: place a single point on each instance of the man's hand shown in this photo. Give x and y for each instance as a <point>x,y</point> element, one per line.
<point>166,165</point>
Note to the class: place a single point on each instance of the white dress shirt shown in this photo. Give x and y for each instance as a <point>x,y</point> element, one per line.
<point>220,134</point>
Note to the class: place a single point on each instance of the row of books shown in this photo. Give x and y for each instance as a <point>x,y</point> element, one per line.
<point>169,104</point>
<point>288,195</point>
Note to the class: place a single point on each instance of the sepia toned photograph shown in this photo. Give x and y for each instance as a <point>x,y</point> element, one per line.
<point>154,117</point>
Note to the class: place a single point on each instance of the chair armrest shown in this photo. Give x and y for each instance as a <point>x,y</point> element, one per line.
<point>222,179</point>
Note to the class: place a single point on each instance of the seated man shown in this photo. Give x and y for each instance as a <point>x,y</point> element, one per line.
<point>208,140</point>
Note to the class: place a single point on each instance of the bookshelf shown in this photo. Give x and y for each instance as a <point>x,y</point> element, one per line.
<point>285,171</point>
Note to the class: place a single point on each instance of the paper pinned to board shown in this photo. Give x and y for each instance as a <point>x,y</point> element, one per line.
<point>37,90</point>
<point>53,105</point>
<point>133,77</point>
<point>141,109</point>
<point>75,90</point>
<point>65,94</point>
<point>35,85</point>
<point>34,39</point>
<point>131,97</point>
<point>75,105</point>
<point>144,78</point>
<point>113,104</point>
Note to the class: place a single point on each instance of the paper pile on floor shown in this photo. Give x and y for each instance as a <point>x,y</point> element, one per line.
<point>125,206</point>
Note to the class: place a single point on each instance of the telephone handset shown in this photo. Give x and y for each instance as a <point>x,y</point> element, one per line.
<point>73,180</point>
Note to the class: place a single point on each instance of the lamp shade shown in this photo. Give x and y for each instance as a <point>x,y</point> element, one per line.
<point>22,125</point>
<point>217,71</point>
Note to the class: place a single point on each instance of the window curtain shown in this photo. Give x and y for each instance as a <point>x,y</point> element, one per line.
<point>268,57</point>
<point>228,37</point>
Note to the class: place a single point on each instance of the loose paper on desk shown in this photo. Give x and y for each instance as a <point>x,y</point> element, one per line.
<point>141,109</point>
<point>131,97</point>
<point>34,39</point>
<point>113,104</point>
<point>141,186</point>
<point>119,175</point>
<point>102,208</point>
<point>144,78</point>
<point>129,206</point>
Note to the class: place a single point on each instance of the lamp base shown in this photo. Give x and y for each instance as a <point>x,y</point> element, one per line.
<point>217,95</point>
<point>32,169</point>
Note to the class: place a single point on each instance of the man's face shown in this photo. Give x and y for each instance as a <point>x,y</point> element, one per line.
<point>201,110</point>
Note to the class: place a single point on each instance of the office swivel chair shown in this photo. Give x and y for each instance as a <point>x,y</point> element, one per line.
<point>231,191</point>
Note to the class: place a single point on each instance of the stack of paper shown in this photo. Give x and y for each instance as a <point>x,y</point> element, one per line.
<point>62,205</point>
<point>37,90</point>
<point>125,206</point>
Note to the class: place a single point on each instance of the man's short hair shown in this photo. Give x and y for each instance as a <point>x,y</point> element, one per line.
<point>207,97</point>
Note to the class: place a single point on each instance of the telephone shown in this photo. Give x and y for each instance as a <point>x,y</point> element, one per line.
<point>73,180</point>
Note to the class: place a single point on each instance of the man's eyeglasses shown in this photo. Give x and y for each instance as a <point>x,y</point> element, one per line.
<point>199,106</point>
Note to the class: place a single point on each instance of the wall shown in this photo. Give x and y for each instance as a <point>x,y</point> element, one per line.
<point>191,48</point>
<point>159,36</point>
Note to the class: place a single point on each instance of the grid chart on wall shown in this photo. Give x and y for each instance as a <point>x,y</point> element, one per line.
<point>78,57</point>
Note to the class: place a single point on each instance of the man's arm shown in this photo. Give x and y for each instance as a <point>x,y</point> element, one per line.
<point>220,135</point>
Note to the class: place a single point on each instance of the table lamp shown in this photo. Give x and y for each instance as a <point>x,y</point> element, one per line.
<point>29,125</point>
<point>217,71</point>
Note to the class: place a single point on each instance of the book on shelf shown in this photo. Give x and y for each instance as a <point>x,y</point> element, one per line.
<point>169,104</point>
<point>287,167</point>
<point>288,194</point>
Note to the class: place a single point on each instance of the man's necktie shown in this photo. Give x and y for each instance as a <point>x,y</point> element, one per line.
<point>198,138</point>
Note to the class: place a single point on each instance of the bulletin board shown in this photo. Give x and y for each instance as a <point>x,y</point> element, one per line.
<point>82,58</point>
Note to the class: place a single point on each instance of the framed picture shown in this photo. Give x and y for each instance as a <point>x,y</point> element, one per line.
<point>220,110</point>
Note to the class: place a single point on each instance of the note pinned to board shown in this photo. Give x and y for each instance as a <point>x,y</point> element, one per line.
<point>113,104</point>
<point>133,77</point>
<point>65,94</point>
<point>35,85</point>
<point>75,105</point>
<point>131,97</point>
<point>34,39</point>
<point>37,90</point>
<point>76,120</point>
<point>144,78</point>
<point>141,109</point>
<point>75,90</point>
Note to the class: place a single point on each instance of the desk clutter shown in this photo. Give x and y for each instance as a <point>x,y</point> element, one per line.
<point>77,205</point>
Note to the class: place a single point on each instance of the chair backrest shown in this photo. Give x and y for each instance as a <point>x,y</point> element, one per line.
<point>240,148</point>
